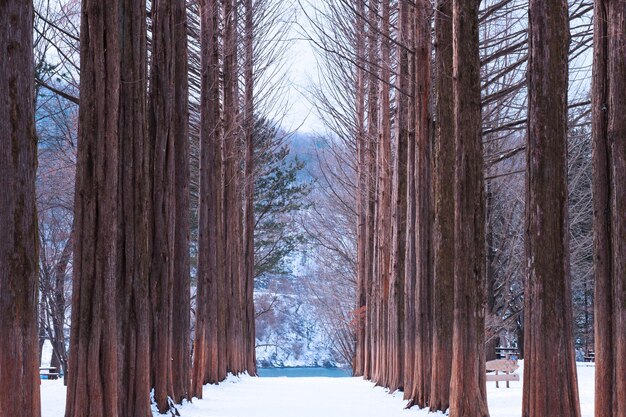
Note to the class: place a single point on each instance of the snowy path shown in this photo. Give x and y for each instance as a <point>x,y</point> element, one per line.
<point>320,397</point>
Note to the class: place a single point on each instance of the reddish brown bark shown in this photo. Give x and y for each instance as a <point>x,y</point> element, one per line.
<point>361,193</point>
<point>410,269</point>
<point>181,354</point>
<point>109,359</point>
<point>232,196</point>
<point>371,283</point>
<point>19,353</point>
<point>609,207</point>
<point>548,338</point>
<point>170,175</point>
<point>396,291</point>
<point>250,363</point>
<point>443,226</point>
<point>422,213</point>
<point>205,365</point>
<point>468,386</point>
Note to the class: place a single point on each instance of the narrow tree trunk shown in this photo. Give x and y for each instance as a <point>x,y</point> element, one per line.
<point>205,365</point>
<point>181,354</point>
<point>371,282</point>
<point>410,269</point>
<point>19,356</point>
<point>548,329</point>
<point>249,184</point>
<point>383,218</point>
<point>396,303</point>
<point>443,227</point>
<point>422,213</point>
<point>361,194</point>
<point>609,207</point>
<point>468,385</point>
<point>58,311</point>
<point>232,202</point>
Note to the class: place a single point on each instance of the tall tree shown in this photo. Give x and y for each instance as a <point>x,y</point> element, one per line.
<point>548,339</point>
<point>109,370</point>
<point>468,385</point>
<point>181,353</point>
<point>170,178</point>
<point>422,212</point>
<point>19,354</point>
<point>249,219</point>
<point>443,206</point>
<point>361,203</point>
<point>205,365</point>
<point>399,201</point>
<point>609,211</point>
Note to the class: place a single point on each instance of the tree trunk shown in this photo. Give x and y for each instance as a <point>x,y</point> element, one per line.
<point>373,65</point>
<point>443,226</point>
<point>609,207</point>
<point>422,213</point>
<point>19,356</point>
<point>170,174</point>
<point>399,201</point>
<point>181,354</point>
<point>205,365</point>
<point>249,186</point>
<point>547,300</point>
<point>468,385</point>
<point>361,194</point>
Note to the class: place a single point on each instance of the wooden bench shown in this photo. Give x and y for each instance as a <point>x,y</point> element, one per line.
<point>507,367</point>
<point>49,373</point>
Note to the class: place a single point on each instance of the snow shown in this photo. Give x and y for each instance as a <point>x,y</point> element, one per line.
<point>246,396</point>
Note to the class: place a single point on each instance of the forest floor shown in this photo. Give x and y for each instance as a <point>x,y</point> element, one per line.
<point>321,397</point>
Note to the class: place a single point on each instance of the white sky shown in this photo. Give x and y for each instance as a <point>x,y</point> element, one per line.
<point>302,72</point>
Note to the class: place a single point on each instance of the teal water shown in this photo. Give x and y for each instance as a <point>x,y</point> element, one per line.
<point>304,372</point>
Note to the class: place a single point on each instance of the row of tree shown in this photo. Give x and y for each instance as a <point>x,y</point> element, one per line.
<point>131,300</point>
<point>434,277</point>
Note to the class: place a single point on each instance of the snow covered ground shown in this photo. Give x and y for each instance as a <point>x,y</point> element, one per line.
<point>320,397</point>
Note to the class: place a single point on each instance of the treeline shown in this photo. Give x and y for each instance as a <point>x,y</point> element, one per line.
<point>143,115</point>
<point>456,251</point>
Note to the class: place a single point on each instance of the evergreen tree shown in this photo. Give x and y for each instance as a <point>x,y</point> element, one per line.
<point>278,195</point>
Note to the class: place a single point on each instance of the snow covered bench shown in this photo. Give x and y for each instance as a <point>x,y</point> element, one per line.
<point>507,366</point>
<point>48,373</point>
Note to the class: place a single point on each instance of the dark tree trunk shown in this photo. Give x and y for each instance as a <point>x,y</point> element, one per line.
<point>373,72</point>
<point>135,220</point>
<point>361,195</point>
<point>93,336</point>
<point>410,266</point>
<point>384,201</point>
<point>422,213</point>
<point>443,226</point>
<point>609,207</point>
<point>58,310</point>
<point>468,386</point>
<point>181,354</point>
<point>110,341</point>
<point>170,175</point>
<point>231,184</point>
<point>248,128</point>
<point>205,365</point>
<point>19,356</point>
<point>399,201</point>
<point>547,299</point>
